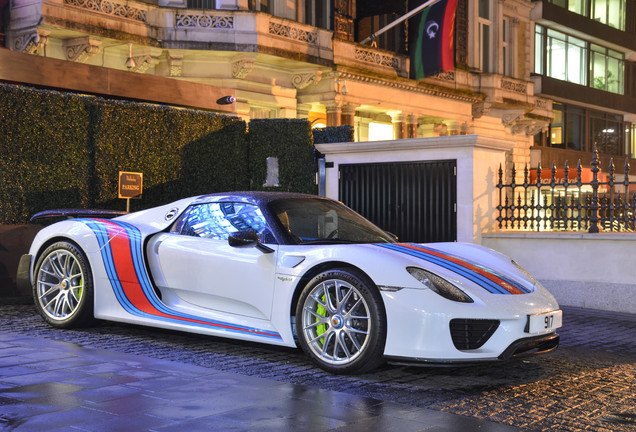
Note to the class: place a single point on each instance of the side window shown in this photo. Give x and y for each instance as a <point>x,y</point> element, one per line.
<point>219,220</point>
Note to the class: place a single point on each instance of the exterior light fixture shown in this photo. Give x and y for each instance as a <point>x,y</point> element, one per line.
<point>130,63</point>
<point>226,100</point>
<point>342,86</point>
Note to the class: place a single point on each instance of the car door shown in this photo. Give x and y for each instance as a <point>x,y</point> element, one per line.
<point>194,263</point>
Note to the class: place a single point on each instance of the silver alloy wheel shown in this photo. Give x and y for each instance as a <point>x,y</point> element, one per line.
<point>336,322</point>
<point>60,284</point>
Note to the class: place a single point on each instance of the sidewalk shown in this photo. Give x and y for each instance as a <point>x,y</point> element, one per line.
<point>56,386</point>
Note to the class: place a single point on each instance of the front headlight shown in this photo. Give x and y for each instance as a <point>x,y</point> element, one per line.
<point>439,285</point>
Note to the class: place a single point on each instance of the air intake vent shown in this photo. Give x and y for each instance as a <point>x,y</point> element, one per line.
<point>470,334</point>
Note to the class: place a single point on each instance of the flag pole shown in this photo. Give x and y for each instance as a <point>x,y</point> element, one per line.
<point>399,20</point>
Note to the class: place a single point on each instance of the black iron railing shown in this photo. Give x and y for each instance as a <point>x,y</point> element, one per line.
<point>560,200</point>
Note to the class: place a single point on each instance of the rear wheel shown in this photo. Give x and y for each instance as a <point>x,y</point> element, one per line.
<point>341,323</point>
<point>63,286</point>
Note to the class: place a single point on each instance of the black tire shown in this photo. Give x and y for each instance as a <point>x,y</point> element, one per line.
<point>341,322</point>
<point>63,286</point>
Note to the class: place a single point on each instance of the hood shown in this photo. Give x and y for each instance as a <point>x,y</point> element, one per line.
<point>485,268</point>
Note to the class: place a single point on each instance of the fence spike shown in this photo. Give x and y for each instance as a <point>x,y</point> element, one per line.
<point>553,179</point>
<point>566,171</point>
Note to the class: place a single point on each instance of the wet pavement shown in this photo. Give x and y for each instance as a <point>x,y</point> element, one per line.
<point>119,377</point>
<point>56,386</point>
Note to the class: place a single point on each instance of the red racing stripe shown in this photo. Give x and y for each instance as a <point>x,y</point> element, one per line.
<point>496,279</point>
<point>125,269</point>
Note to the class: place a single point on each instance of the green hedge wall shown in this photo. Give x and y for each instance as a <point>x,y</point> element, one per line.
<point>289,140</point>
<point>333,134</point>
<point>61,150</point>
<point>180,152</point>
<point>43,154</point>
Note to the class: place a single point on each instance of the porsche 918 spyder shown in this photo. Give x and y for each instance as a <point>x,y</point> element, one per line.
<point>292,270</point>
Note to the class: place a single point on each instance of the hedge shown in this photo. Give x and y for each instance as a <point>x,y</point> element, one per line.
<point>288,140</point>
<point>61,150</point>
<point>44,161</point>
<point>333,134</point>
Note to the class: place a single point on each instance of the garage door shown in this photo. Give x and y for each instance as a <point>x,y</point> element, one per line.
<point>417,201</point>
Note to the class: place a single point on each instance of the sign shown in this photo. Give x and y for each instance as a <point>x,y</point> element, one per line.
<point>130,184</point>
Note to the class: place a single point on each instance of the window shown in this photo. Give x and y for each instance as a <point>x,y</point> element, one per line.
<point>201,4</point>
<point>219,220</point>
<point>317,13</point>
<point>260,5</point>
<point>630,139</point>
<point>577,128</point>
<point>567,57</point>
<point>576,6</point>
<point>609,12</point>
<point>567,129</point>
<point>507,44</point>
<point>485,25</point>
<point>607,69</point>
<point>606,132</point>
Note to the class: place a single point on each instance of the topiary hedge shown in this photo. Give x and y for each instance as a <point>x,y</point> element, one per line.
<point>62,150</point>
<point>289,140</point>
<point>44,160</point>
<point>333,134</point>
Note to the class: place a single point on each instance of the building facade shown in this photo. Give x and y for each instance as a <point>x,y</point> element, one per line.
<point>585,62</point>
<point>304,59</point>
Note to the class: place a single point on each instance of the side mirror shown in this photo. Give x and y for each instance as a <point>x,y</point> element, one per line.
<point>247,238</point>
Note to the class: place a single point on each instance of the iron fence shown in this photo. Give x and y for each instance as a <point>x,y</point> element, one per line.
<point>580,199</point>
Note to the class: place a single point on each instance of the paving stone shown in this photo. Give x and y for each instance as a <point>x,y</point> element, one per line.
<point>587,384</point>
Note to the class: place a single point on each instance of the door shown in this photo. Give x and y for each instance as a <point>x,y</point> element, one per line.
<point>195,263</point>
<point>417,201</point>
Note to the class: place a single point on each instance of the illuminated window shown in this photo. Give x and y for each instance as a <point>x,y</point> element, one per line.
<point>608,12</point>
<point>607,69</point>
<point>380,131</point>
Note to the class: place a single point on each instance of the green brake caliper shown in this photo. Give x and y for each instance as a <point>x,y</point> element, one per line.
<point>321,328</point>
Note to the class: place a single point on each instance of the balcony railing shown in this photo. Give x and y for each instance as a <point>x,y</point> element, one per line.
<point>568,199</point>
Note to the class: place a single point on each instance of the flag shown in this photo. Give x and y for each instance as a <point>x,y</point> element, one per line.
<point>432,39</point>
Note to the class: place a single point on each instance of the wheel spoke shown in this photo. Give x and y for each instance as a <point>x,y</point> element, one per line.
<point>49,291</point>
<point>343,344</point>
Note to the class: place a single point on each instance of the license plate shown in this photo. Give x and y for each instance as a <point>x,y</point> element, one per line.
<point>545,322</point>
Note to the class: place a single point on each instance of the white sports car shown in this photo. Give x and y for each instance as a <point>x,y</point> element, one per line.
<point>291,269</point>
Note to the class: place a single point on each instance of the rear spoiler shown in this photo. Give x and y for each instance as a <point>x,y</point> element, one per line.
<point>76,213</point>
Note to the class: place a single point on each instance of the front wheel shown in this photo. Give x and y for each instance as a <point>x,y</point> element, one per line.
<point>341,323</point>
<point>63,286</point>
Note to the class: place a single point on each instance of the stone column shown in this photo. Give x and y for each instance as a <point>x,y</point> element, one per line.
<point>411,126</point>
<point>348,115</point>
<point>397,118</point>
<point>334,114</point>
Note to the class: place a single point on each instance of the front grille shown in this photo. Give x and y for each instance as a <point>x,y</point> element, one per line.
<point>470,334</point>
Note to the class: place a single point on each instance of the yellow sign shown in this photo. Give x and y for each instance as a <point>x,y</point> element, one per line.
<point>130,184</point>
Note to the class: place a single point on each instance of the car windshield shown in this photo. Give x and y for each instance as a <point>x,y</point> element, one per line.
<point>315,221</point>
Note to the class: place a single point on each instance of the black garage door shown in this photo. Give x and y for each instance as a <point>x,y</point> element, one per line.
<point>417,201</point>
